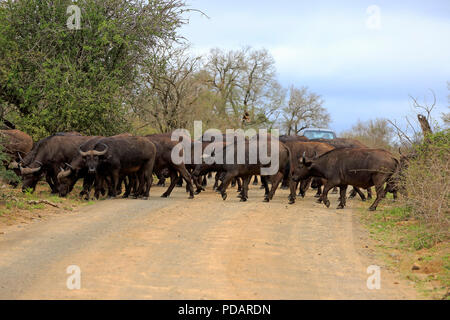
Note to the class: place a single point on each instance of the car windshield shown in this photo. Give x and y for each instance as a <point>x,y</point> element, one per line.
<point>319,135</point>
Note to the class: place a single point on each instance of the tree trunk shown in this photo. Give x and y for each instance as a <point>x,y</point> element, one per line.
<point>426,128</point>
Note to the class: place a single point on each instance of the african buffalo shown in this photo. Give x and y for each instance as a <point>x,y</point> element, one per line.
<point>297,149</point>
<point>76,169</point>
<point>122,155</point>
<point>16,144</point>
<point>360,167</point>
<point>164,146</point>
<point>340,143</point>
<point>248,168</point>
<point>47,157</point>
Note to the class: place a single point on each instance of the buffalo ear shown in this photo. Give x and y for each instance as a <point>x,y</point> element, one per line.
<point>304,158</point>
<point>305,162</point>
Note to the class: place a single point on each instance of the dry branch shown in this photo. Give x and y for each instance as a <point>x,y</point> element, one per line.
<point>34,202</point>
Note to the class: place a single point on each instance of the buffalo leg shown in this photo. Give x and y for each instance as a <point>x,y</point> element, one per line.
<point>173,181</point>
<point>381,193</point>
<point>319,191</point>
<point>266,188</point>
<point>88,181</point>
<point>324,197</point>
<point>369,193</point>
<point>99,181</point>
<point>244,188</point>
<point>49,179</point>
<point>293,189</point>
<point>122,180</point>
<point>179,182</point>
<point>304,186</point>
<point>186,177</point>
<point>128,186</point>
<point>114,183</point>
<point>360,193</point>
<point>216,181</point>
<point>342,198</point>
<point>161,182</point>
<point>226,182</point>
<point>275,183</point>
<point>239,183</point>
<point>285,182</point>
<point>148,178</point>
<point>198,184</point>
<point>353,194</point>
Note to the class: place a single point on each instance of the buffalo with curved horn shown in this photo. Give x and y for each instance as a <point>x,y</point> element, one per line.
<point>93,152</point>
<point>47,157</point>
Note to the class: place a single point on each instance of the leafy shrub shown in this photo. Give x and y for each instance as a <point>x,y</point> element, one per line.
<point>426,184</point>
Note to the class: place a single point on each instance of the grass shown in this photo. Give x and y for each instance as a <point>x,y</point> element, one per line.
<point>404,242</point>
<point>17,206</point>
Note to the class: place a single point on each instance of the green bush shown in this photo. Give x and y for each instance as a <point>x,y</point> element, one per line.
<point>426,185</point>
<point>55,79</point>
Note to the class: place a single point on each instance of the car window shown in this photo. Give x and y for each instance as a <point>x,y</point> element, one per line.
<point>319,135</point>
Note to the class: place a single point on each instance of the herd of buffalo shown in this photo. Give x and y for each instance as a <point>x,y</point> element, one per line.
<point>108,163</point>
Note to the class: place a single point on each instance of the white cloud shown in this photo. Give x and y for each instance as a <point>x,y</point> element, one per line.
<point>329,47</point>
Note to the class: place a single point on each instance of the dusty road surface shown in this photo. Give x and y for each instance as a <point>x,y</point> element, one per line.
<point>195,249</point>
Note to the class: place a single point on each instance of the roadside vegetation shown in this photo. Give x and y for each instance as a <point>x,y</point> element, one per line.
<point>413,232</point>
<point>17,207</point>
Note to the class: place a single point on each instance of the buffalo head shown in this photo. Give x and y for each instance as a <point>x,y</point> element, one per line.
<point>301,170</point>
<point>92,158</point>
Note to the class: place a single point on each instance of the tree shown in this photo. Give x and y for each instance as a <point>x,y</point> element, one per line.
<point>56,79</point>
<point>446,115</point>
<point>373,133</point>
<point>243,81</point>
<point>304,110</point>
<point>170,90</point>
<point>412,135</point>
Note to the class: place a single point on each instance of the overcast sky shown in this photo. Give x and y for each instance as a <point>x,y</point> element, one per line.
<point>362,68</point>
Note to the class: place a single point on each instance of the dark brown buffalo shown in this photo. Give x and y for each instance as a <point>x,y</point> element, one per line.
<point>118,156</point>
<point>297,149</point>
<point>75,170</point>
<point>164,146</point>
<point>360,167</point>
<point>220,175</point>
<point>342,143</point>
<point>339,143</point>
<point>246,170</point>
<point>47,157</point>
<point>16,144</point>
<point>285,139</point>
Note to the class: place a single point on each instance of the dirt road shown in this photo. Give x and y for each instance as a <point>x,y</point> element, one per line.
<point>195,249</point>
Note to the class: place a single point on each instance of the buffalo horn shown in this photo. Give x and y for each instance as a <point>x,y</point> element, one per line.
<point>100,153</point>
<point>25,171</point>
<point>63,173</point>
